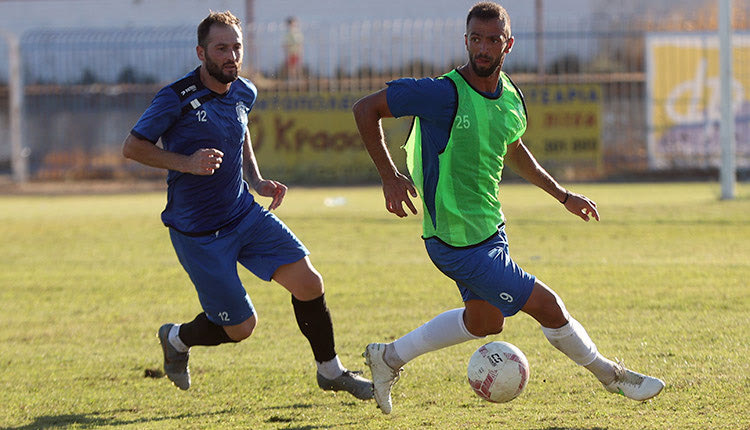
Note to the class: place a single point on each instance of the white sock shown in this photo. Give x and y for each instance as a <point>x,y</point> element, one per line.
<point>174,339</point>
<point>331,369</point>
<point>574,342</point>
<point>602,368</point>
<point>444,330</point>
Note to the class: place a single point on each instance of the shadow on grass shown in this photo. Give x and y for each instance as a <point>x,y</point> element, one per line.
<point>279,419</point>
<point>294,406</point>
<point>96,419</point>
<point>575,428</point>
<point>308,426</point>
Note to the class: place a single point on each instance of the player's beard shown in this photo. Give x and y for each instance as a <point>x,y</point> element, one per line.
<point>484,72</point>
<point>217,72</point>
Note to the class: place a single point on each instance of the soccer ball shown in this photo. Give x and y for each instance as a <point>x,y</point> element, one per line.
<point>498,372</point>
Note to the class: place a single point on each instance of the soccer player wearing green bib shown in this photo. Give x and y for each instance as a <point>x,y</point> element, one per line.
<point>467,126</point>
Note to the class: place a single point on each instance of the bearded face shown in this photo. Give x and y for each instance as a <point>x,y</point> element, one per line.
<point>225,73</point>
<point>222,53</point>
<point>487,43</point>
<point>484,65</point>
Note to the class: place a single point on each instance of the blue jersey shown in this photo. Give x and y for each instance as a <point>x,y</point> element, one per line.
<point>187,116</point>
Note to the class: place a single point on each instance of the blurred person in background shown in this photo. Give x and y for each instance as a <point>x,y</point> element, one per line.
<point>467,126</point>
<point>213,219</point>
<point>293,45</point>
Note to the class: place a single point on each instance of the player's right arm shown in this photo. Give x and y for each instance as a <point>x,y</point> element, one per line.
<point>140,144</point>
<point>202,162</point>
<point>368,112</point>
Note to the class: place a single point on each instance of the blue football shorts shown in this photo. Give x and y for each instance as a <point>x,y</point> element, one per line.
<point>261,242</point>
<point>484,271</point>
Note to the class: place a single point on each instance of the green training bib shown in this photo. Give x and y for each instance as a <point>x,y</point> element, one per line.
<point>467,210</point>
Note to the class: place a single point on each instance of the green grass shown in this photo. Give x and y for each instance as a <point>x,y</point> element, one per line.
<point>660,282</point>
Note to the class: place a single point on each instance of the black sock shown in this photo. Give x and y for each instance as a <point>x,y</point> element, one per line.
<point>201,331</point>
<point>314,322</point>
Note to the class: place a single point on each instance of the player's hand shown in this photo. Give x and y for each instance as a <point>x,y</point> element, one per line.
<point>396,191</point>
<point>274,189</point>
<point>582,206</point>
<point>205,161</point>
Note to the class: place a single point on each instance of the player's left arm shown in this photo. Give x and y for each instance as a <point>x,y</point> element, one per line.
<point>519,158</point>
<point>264,187</point>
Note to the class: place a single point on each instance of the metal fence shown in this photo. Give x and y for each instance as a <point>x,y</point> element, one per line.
<point>84,89</point>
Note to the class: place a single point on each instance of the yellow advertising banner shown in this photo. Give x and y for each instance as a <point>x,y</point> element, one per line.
<point>564,124</point>
<point>312,137</point>
<point>683,107</point>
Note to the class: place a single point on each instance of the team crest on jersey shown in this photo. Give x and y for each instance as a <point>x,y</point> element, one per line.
<point>242,112</point>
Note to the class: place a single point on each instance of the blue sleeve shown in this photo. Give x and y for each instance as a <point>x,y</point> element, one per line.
<point>433,100</point>
<point>159,116</point>
<point>252,91</point>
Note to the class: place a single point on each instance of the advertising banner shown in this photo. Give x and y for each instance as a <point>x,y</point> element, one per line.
<point>564,126</point>
<point>312,137</point>
<point>683,100</point>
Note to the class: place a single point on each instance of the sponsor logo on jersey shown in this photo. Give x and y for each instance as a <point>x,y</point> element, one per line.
<point>189,89</point>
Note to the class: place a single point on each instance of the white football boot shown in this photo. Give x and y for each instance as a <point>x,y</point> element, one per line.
<point>383,375</point>
<point>634,385</point>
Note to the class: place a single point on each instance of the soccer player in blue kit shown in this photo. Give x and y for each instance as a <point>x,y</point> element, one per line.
<point>467,126</point>
<point>213,219</point>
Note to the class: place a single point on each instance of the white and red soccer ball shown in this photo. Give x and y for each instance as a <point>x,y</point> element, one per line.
<point>498,372</point>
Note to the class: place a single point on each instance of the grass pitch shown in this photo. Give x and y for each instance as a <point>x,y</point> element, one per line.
<point>661,282</point>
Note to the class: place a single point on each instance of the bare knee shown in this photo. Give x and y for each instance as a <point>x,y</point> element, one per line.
<point>545,306</point>
<point>482,319</point>
<point>301,279</point>
<point>309,287</point>
<point>313,286</point>
<point>486,328</point>
<point>242,330</point>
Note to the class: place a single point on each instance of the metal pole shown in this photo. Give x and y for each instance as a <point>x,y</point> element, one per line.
<point>539,24</point>
<point>726,127</point>
<point>249,34</point>
<point>19,154</point>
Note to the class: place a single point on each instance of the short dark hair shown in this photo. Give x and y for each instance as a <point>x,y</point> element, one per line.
<point>488,10</point>
<point>220,18</point>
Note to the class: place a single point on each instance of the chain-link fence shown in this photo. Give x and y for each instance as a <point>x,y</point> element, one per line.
<point>84,89</point>
<point>5,154</point>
